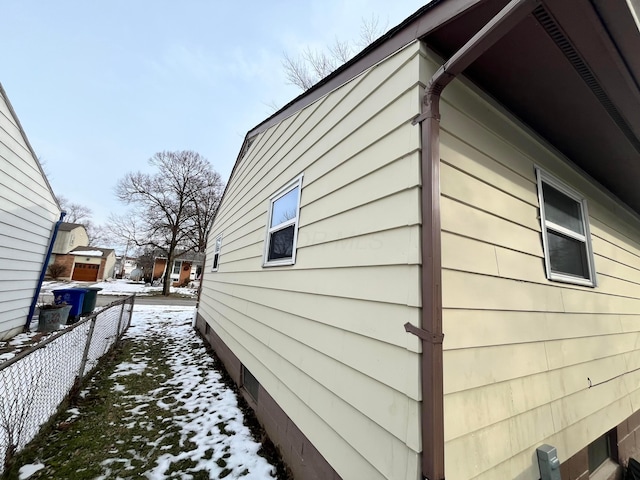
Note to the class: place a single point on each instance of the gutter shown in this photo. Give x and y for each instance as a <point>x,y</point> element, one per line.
<point>431,334</point>
<point>45,264</point>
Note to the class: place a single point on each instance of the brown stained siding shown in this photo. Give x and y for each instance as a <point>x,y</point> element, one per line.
<point>67,261</point>
<point>101,269</point>
<point>158,267</point>
<point>304,460</point>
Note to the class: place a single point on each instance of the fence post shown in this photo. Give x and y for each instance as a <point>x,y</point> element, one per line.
<point>85,354</point>
<point>120,320</point>
<point>124,302</point>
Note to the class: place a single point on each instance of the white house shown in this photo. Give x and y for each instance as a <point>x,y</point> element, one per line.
<point>428,264</point>
<point>28,214</point>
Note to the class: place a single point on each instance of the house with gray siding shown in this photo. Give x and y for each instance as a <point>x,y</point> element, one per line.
<point>28,212</point>
<point>428,264</point>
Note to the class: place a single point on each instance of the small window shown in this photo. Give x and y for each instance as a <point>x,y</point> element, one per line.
<point>565,232</point>
<point>176,267</point>
<point>216,253</point>
<point>601,449</point>
<point>250,383</point>
<point>282,231</point>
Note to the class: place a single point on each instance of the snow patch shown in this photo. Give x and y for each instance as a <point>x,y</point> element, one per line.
<point>27,470</point>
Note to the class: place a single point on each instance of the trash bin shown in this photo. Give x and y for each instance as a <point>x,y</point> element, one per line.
<point>73,297</point>
<point>89,303</point>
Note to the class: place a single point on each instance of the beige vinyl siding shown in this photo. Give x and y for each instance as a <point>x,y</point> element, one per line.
<point>27,216</point>
<point>518,347</point>
<point>67,240</point>
<point>325,336</point>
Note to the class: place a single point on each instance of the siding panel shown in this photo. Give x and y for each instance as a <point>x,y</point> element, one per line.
<point>520,348</point>
<point>27,216</point>
<point>325,336</point>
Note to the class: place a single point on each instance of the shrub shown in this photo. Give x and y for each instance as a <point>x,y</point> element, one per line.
<point>57,270</point>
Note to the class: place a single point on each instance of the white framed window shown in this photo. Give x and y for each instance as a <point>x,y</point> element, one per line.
<point>282,226</point>
<point>565,232</point>
<point>176,267</point>
<point>216,253</point>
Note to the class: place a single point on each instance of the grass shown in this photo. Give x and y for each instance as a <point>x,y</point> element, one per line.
<point>76,446</point>
<point>120,430</point>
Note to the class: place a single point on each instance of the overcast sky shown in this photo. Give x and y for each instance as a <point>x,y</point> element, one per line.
<point>100,86</point>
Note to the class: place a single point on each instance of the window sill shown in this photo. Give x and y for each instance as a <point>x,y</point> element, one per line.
<point>554,277</point>
<point>609,470</point>
<point>282,263</point>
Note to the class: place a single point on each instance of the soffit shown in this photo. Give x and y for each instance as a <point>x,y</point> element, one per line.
<point>568,72</point>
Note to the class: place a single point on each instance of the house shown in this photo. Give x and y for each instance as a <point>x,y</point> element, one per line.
<point>81,261</point>
<point>429,263</point>
<point>124,266</point>
<point>70,236</point>
<point>29,213</point>
<point>187,266</point>
<point>92,264</point>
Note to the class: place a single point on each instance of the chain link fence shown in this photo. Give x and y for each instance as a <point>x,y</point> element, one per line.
<point>35,382</point>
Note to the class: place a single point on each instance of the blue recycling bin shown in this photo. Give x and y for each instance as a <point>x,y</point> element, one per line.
<point>73,297</point>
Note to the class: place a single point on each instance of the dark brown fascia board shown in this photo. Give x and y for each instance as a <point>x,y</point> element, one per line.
<point>421,23</point>
<point>26,141</point>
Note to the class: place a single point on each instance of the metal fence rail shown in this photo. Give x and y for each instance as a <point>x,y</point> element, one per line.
<point>35,382</point>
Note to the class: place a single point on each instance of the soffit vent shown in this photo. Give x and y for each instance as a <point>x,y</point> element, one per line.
<point>558,36</point>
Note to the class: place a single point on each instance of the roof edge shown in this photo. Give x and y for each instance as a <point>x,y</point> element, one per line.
<point>26,140</point>
<point>412,28</point>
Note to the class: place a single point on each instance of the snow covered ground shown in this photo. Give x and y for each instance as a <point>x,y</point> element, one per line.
<point>117,287</point>
<point>205,413</point>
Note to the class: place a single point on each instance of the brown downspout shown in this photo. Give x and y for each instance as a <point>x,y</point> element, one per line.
<point>431,335</point>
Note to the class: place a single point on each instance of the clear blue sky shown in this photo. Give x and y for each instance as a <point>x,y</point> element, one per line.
<point>100,86</point>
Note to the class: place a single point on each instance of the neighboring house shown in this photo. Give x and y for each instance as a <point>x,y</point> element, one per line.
<point>82,262</point>
<point>70,236</point>
<point>186,267</point>
<point>380,210</point>
<point>28,213</point>
<point>92,264</point>
<point>124,266</point>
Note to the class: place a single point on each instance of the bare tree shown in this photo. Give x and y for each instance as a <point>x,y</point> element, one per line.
<point>76,213</point>
<point>311,66</point>
<point>174,207</point>
<point>98,235</point>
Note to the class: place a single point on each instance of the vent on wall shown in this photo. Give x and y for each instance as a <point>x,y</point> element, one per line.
<point>557,35</point>
<point>250,383</point>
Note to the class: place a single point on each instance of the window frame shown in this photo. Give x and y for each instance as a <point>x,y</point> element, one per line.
<point>216,253</point>
<point>176,263</point>
<point>296,182</point>
<point>546,226</point>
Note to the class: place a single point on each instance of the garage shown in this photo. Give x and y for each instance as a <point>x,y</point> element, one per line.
<point>85,272</point>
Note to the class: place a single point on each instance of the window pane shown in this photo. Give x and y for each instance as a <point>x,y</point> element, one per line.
<point>281,244</point>
<point>599,451</point>
<point>567,255</point>
<point>176,267</point>
<point>285,208</point>
<point>215,261</point>
<point>218,244</point>
<point>562,210</point>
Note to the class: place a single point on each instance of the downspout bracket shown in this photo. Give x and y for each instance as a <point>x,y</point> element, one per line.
<point>424,334</point>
